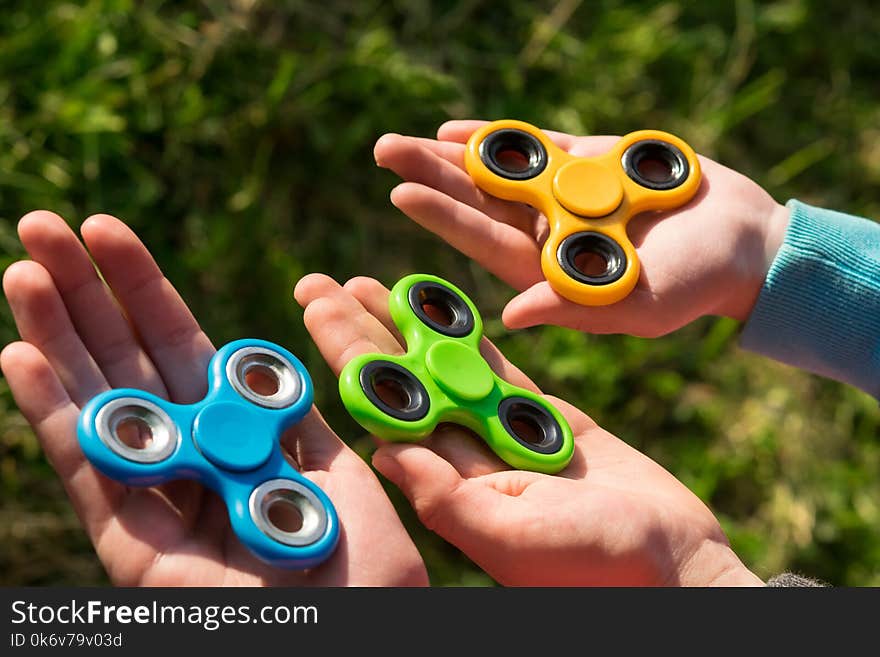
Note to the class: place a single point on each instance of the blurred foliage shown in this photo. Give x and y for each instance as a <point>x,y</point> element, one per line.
<point>235,138</point>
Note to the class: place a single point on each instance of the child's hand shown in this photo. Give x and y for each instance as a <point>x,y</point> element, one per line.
<point>612,517</point>
<point>709,257</point>
<point>81,338</point>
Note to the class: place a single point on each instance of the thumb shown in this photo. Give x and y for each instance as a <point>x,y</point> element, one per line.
<point>460,510</point>
<point>540,304</point>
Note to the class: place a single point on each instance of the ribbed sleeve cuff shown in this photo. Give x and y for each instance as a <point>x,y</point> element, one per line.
<point>819,307</point>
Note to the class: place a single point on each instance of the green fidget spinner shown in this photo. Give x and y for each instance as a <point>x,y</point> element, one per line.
<point>444,378</point>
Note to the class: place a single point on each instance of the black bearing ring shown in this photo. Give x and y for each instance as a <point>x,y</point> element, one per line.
<point>523,409</point>
<point>654,149</point>
<point>592,242</point>
<point>460,314</point>
<point>526,145</point>
<point>376,372</point>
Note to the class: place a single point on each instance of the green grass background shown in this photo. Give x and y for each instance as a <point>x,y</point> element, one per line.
<point>236,139</point>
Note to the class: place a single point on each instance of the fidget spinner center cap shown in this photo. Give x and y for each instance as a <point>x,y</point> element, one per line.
<point>228,435</point>
<point>459,370</point>
<point>587,188</point>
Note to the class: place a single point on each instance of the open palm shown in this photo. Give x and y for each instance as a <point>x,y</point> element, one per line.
<point>612,517</point>
<point>708,257</point>
<point>81,337</point>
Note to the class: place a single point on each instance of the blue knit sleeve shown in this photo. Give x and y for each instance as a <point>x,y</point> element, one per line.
<point>819,307</point>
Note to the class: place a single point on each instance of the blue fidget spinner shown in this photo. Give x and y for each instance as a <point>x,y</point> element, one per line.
<point>229,441</point>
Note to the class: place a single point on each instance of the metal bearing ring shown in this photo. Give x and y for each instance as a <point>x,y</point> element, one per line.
<point>272,364</point>
<point>295,495</point>
<point>164,433</point>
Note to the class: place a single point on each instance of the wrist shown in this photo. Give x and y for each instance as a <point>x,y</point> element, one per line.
<point>716,564</point>
<point>774,237</point>
<point>767,235</point>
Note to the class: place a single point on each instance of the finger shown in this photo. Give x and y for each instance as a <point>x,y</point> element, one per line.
<point>340,326</point>
<point>390,142</point>
<point>313,444</point>
<point>593,446</point>
<point>125,528</point>
<point>43,321</point>
<point>171,335</point>
<point>588,146</point>
<point>460,131</point>
<point>510,254</point>
<point>464,450</point>
<point>417,164</point>
<point>49,239</point>
<point>460,510</point>
<point>94,313</point>
<point>581,424</point>
<point>636,314</point>
<point>373,296</point>
<point>97,500</point>
<point>41,397</point>
<point>504,368</point>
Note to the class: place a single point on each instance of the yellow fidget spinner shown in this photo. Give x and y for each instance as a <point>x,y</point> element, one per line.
<point>588,201</point>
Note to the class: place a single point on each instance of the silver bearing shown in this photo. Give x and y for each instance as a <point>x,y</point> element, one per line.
<point>270,363</point>
<point>293,494</point>
<point>164,433</point>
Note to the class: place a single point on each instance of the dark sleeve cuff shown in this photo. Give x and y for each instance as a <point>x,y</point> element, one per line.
<point>791,580</point>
